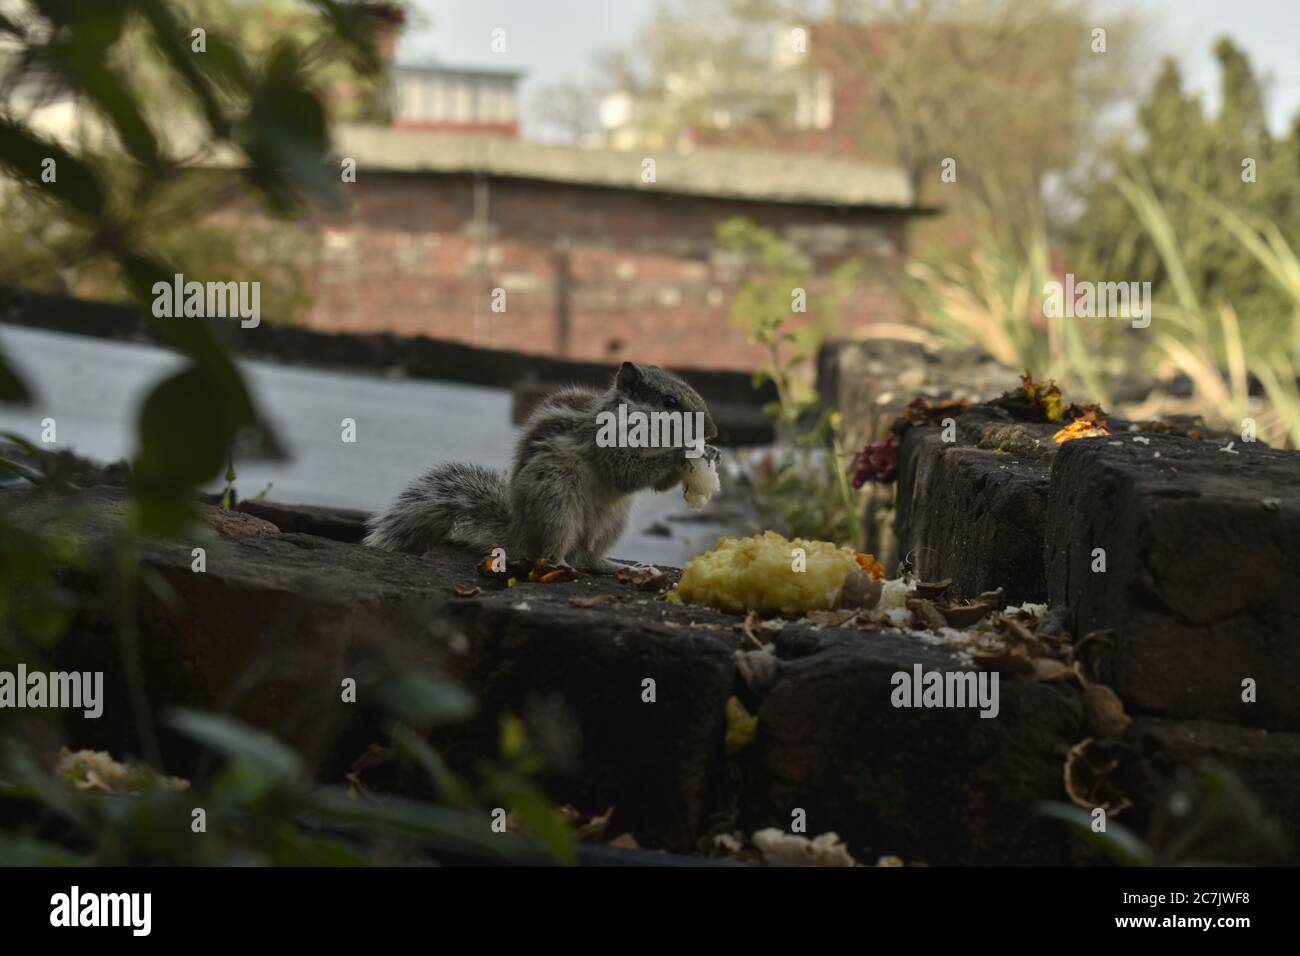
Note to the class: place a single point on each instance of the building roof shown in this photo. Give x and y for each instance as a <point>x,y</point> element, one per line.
<point>729,174</point>
<point>450,69</point>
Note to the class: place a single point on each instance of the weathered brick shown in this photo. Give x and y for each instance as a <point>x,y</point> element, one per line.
<point>1202,580</point>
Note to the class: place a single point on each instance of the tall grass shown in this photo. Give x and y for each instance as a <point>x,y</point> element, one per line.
<point>1206,342</point>
<point>992,299</point>
<point>1240,367</point>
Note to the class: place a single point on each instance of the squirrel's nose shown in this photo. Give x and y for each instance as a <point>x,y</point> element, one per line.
<point>710,429</point>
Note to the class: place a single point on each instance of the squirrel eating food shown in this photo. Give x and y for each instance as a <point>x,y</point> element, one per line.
<point>569,491</point>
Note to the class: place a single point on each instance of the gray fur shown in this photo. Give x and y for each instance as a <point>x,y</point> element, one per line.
<point>567,499</point>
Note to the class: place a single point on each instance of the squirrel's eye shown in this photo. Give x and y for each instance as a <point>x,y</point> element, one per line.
<point>670,401</point>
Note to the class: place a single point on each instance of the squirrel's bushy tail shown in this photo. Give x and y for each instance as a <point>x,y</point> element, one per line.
<point>466,505</point>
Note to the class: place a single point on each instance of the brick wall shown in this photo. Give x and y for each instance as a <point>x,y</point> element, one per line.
<point>637,273</point>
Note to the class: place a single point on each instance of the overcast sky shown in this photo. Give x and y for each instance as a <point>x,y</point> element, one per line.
<point>554,39</point>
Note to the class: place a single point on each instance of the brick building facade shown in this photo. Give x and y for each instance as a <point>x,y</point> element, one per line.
<point>571,253</point>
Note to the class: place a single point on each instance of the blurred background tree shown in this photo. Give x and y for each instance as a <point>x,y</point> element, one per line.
<point>186,216</point>
<point>1180,146</point>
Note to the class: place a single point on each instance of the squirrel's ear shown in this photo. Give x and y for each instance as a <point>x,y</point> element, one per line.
<point>628,377</point>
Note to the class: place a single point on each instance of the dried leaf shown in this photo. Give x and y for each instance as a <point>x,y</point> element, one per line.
<point>1017,633</point>
<point>963,615</point>
<point>861,590</point>
<point>585,826</point>
<point>922,411</point>
<point>931,589</point>
<point>1006,660</point>
<point>1088,771</point>
<point>553,577</point>
<point>625,841</point>
<point>832,618</point>
<point>465,591</point>
<point>1104,711</point>
<point>926,613</point>
<point>593,600</point>
<point>643,579</point>
<point>1051,670</point>
<point>1047,396</point>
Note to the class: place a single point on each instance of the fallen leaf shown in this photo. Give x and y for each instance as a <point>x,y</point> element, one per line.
<point>466,591</point>
<point>643,579</point>
<point>1088,770</point>
<point>1019,634</point>
<point>1005,660</point>
<point>963,615</point>
<point>594,600</point>
<point>1051,670</point>
<point>553,577</point>
<point>625,841</point>
<point>586,826</point>
<point>861,590</point>
<point>1104,711</point>
<point>833,618</point>
<point>927,613</point>
<point>931,589</point>
<point>1047,396</point>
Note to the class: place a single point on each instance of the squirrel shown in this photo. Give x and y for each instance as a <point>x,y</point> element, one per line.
<point>567,498</point>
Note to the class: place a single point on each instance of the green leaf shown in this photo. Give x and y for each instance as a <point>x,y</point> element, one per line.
<point>450,787</point>
<point>543,822</point>
<point>106,89</point>
<point>1118,842</point>
<point>355,26</point>
<point>238,741</point>
<point>303,850</point>
<point>27,851</point>
<point>75,184</point>
<point>425,700</point>
<point>436,826</point>
<point>226,65</point>
<point>184,439</point>
<point>172,39</point>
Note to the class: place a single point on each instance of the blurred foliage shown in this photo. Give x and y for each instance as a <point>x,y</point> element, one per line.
<point>1181,147</point>
<point>1174,210</point>
<point>133,102</point>
<point>261,808</point>
<point>809,484</point>
<point>990,298</point>
<point>1205,816</point>
<point>1010,89</point>
<point>122,189</point>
